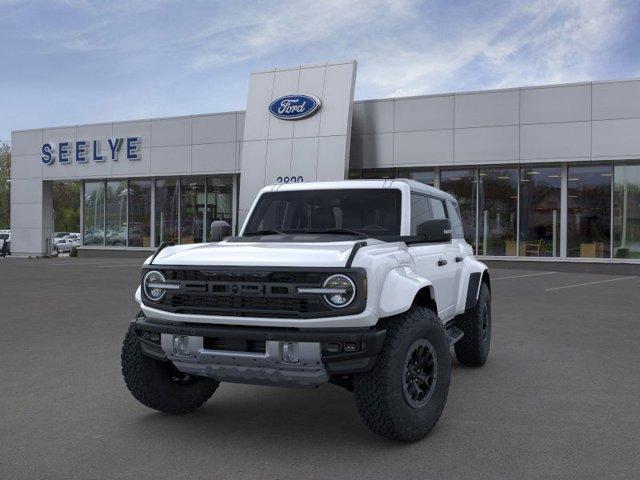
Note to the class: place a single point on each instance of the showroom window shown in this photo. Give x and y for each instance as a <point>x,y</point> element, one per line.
<point>219,200</point>
<point>116,213</point>
<point>589,211</point>
<point>498,211</point>
<point>373,173</point>
<point>93,213</point>
<point>626,211</point>
<point>166,210</point>
<point>540,194</point>
<point>139,231</point>
<point>192,210</point>
<point>121,212</point>
<point>462,185</point>
<point>428,177</point>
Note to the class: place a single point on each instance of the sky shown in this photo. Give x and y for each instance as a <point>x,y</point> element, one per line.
<point>76,61</point>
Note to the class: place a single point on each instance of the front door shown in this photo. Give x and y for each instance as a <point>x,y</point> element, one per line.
<point>436,261</point>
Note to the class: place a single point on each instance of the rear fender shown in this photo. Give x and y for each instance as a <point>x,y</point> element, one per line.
<point>399,290</point>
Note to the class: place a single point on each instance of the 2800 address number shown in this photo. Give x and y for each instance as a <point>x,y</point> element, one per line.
<point>297,179</point>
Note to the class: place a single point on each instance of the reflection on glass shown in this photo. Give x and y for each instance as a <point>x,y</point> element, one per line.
<point>540,211</point>
<point>428,177</point>
<point>192,210</point>
<point>139,213</point>
<point>589,211</point>
<point>498,211</point>
<point>166,210</point>
<point>66,206</point>
<point>462,185</point>
<point>219,200</point>
<point>116,213</point>
<point>626,208</point>
<point>93,229</point>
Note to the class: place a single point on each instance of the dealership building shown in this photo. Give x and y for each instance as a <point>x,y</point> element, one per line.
<point>541,173</point>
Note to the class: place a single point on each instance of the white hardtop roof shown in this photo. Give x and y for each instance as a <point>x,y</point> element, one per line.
<point>413,185</point>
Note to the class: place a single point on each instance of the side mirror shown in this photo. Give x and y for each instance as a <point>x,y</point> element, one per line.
<point>219,230</point>
<point>435,230</point>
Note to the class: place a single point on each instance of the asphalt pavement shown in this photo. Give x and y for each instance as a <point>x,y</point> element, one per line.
<point>558,398</point>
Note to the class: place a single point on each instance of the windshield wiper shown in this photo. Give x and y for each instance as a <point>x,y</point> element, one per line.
<point>263,232</point>
<point>339,231</point>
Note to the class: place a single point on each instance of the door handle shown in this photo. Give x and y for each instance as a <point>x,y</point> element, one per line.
<point>442,262</point>
<point>459,259</point>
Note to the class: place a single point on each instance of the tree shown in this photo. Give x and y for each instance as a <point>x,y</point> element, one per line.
<point>5,169</point>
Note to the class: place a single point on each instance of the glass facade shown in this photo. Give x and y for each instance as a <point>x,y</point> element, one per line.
<point>93,208</point>
<point>498,200</point>
<point>626,211</point>
<point>589,211</point>
<point>192,210</point>
<point>139,231</point>
<point>166,210</point>
<point>540,202</point>
<point>427,177</point>
<point>123,213</point>
<point>219,200</point>
<point>462,185</point>
<point>116,213</point>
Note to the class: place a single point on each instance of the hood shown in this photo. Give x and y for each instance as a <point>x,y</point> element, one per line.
<point>259,254</point>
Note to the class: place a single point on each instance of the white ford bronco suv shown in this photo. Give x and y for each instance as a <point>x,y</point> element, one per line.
<point>365,284</point>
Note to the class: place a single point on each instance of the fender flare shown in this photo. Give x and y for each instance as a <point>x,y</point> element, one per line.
<point>473,272</point>
<point>399,289</point>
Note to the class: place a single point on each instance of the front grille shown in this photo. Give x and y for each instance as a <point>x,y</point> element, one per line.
<point>242,292</point>
<point>244,305</point>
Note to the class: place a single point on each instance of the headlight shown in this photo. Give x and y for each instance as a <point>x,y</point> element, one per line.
<point>344,291</point>
<point>150,284</point>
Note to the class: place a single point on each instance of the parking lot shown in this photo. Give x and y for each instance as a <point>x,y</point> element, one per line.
<point>558,398</point>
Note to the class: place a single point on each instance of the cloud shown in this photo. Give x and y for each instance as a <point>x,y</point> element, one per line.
<point>143,58</point>
<point>257,31</point>
<point>544,42</point>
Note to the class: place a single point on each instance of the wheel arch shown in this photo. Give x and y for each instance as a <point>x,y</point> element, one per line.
<point>486,278</point>
<point>474,273</point>
<point>427,298</point>
<point>403,288</point>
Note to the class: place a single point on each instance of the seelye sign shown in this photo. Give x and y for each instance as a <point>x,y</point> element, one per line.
<point>82,151</point>
<point>294,107</point>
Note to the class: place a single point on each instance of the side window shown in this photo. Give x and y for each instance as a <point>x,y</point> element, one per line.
<point>437,207</point>
<point>456,224</point>
<point>420,211</point>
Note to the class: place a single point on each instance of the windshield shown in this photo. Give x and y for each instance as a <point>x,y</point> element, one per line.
<point>370,212</point>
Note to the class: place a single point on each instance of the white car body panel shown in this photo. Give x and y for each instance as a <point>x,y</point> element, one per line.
<point>395,271</point>
<point>259,254</point>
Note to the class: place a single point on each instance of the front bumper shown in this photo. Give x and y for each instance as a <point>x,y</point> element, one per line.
<point>234,363</point>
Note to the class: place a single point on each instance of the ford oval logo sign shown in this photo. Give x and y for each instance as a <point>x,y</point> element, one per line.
<point>294,107</point>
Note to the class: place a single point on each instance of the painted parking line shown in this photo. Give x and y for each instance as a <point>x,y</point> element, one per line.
<point>525,275</point>
<point>589,283</point>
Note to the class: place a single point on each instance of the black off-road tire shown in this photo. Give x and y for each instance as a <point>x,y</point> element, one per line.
<point>381,396</point>
<point>159,385</point>
<point>473,348</point>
